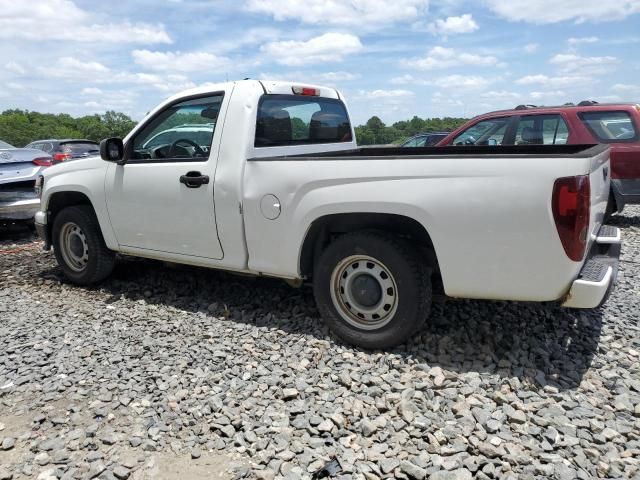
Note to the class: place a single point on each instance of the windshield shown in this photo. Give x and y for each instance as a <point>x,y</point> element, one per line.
<point>5,145</point>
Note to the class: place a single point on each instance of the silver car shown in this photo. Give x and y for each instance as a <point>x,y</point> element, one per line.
<point>19,170</point>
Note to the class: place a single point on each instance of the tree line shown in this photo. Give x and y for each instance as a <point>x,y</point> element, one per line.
<point>20,127</point>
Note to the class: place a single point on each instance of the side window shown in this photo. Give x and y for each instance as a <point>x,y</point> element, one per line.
<point>421,141</point>
<point>485,132</point>
<point>301,120</point>
<point>411,143</point>
<point>181,132</point>
<point>542,130</point>
<point>610,127</point>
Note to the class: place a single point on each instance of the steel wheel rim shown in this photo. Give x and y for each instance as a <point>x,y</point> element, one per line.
<point>353,291</point>
<point>74,247</point>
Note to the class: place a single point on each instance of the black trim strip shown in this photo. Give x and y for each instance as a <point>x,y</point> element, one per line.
<point>406,153</point>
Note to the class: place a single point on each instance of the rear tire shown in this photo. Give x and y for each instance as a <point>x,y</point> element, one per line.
<point>372,289</point>
<point>79,246</point>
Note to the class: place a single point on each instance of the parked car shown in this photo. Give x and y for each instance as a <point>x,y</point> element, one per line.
<point>19,169</point>
<point>284,191</point>
<point>426,139</point>
<point>69,149</point>
<point>616,124</point>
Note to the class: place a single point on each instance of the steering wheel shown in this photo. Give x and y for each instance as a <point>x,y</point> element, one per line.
<point>197,150</point>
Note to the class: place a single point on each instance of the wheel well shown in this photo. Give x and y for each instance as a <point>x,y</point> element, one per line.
<point>61,200</point>
<point>325,229</point>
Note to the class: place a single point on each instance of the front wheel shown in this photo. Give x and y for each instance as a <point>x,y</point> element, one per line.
<point>372,289</point>
<point>79,247</point>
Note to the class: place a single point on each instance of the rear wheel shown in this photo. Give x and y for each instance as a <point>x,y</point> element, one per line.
<point>79,247</point>
<point>372,289</point>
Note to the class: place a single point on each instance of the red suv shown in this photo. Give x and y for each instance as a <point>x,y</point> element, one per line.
<point>617,124</point>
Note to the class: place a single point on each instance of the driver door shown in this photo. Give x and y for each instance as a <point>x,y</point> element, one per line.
<point>160,201</point>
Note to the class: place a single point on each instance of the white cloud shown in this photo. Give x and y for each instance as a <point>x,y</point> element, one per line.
<point>73,68</point>
<point>330,47</point>
<point>572,63</point>
<point>341,12</point>
<point>453,25</point>
<point>548,94</point>
<point>336,76</point>
<point>555,81</point>
<point>552,11</point>
<point>531,47</point>
<point>458,82</point>
<point>501,95</point>
<point>91,91</point>
<point>573,41</point>
<point>15,86</point>
<point>387,93</point>
<point>15,67</point>
<point>178,61</point>
<point>624,88</point>
<point>26,20</point>
<point>441,57</point>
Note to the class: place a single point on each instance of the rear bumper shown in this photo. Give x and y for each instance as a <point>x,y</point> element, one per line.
<point>599,273</point>
<point>23,209</point>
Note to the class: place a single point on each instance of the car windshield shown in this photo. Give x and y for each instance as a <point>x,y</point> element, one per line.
<point>5,145</point>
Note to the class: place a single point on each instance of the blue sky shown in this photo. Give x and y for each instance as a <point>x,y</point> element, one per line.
<point>394,59</point>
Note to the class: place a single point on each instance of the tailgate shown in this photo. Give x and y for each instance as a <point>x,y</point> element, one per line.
<point>600,188</point>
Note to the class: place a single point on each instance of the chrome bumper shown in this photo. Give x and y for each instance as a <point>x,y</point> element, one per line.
<point>19,209</point>
<point>40,222</point>
<point>599,273</point>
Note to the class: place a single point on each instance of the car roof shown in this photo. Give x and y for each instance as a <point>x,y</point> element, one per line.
<point>65,140</point>
<point>528,109</point>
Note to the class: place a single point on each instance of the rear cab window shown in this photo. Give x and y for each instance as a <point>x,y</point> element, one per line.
<point>610,126</point>
<point>287,120</point>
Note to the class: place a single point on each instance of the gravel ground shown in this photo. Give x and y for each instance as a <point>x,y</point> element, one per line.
<point>167,372</point>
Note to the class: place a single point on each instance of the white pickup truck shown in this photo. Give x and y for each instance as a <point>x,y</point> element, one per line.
<point>265,178</point>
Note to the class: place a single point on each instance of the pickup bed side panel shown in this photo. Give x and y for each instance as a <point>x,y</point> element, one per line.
<point>489,217</point>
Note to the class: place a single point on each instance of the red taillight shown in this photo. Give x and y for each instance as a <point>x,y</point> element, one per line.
<point>61,157</point>
<point>313,92</point>
<point>571,205</point>
<point>42,162</point>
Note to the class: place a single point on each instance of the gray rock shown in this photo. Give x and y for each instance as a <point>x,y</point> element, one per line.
<point>457,474</point>
<point>412,470</point>
<point>121,472</point>
<point>289,393</point>
<point>5,474</point>
<point>388,465</point>
<point>196,453</point>
<point>8,443</point>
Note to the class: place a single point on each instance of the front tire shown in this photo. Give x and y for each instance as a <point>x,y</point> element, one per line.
<point>372,289</point>
<point>79,247</point>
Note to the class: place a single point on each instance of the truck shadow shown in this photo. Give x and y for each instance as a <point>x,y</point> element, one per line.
<point>540,345</point>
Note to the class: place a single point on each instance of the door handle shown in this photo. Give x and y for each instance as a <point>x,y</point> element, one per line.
<point>194,179</point>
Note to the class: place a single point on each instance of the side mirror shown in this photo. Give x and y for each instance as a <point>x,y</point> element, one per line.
<point>112,150</point>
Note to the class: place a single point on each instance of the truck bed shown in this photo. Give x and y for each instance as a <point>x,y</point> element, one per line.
<point>386,153</point>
